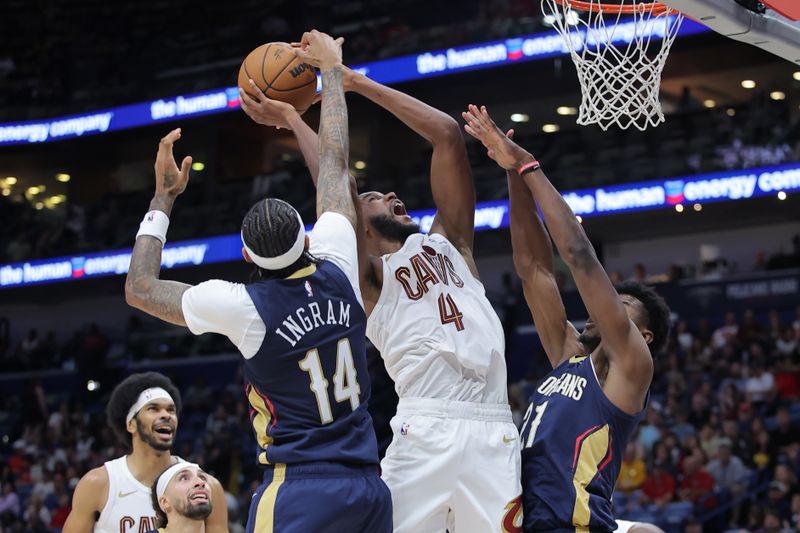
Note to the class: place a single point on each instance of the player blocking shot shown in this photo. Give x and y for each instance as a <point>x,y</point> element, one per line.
<point>583,413</point>
<point>116,497</point>
<point>454,459</point>
<point>300,328</point>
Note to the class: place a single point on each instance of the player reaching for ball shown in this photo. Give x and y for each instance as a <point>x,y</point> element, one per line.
<point>300,329</point>
<point>582,414</point>
<point>454,460</point>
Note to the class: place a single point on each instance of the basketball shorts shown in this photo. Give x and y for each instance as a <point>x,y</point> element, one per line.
<point>320,497</point>
<point>454,466</point>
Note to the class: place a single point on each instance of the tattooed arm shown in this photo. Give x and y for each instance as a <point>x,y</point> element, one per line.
<point>333,183</point>
<point>143,289</point>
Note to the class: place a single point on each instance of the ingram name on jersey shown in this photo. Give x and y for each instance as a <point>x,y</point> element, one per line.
<point>308,385</point>
<point>572,441</point>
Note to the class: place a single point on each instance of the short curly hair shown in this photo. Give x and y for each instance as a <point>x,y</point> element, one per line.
<point>125,395</point>
<point>656,310</point>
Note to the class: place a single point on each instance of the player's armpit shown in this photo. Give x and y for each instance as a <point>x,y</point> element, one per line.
<point>217,521</point>
<point>89,498</point>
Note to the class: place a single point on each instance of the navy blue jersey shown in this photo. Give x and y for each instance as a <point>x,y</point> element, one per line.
<point>308,385</point>
<point>572,440</point>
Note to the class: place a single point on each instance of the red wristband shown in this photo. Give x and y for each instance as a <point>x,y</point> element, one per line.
<point>533,165</point>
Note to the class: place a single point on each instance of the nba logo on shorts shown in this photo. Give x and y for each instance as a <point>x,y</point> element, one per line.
<point>309,290</point>
<point>404,428</point>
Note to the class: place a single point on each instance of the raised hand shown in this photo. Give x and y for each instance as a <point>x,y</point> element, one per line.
<point>264,110</point>
<point>500,146</point>
<point>170,180</point>
<point>320,49</point>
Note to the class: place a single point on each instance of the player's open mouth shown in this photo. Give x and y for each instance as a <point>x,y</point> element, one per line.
<point>398,208</point>
<point>199,497</point>
<point>165,431</point>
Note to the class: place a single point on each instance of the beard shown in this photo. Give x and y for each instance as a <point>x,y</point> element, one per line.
<point>589,342</point>
<point>389,228</point>
<point>150,439</point>
<point>195,511</point>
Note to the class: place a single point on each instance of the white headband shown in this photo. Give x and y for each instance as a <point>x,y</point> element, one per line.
<point>286,258</point>
<point>168,474</point>
<point>147,396</point>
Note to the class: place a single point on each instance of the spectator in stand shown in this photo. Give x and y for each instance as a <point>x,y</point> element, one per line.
<point>633,470</point>
<point>639,273</point>
<point>750,330</point>
<point>725,333</point>
<point>778,500</point>
<point>775,327</point>
<point>10,507</point>
<point>786,344</point>
<point>658,489</point>
<point>28,347</point>
<point>760,387</point>
<point>696,484</point>
<point>37,516</point>
<point>649,432</point>
<point>784,474</point>
<point>93,354</point>
<point>739,444</point>
<point>794,520</point>
<point>729,473</point>
<point>683,336</point>
<point>61,512</point>
<point>786,431</point>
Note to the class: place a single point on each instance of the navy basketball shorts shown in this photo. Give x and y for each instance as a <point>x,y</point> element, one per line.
<point>320,497</point>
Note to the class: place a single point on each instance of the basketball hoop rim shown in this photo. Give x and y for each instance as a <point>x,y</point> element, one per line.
<point>655,8</point>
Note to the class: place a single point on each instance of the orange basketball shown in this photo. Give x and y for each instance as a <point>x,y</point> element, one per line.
<point>280,74</point>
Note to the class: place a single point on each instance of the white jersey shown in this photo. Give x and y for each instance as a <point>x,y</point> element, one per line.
<point>129,507</point>
<point>437,332</point>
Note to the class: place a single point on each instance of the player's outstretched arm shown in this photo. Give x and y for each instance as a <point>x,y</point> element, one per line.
<point>89,498</point>
<point>451,176</point>
<point>333,191</point>
<point>533,260</point>
<point>271,112</point>
<point>143,289</point>
<point>624,344</point>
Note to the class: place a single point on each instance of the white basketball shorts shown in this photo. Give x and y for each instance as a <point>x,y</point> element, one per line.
<point>454,466</point>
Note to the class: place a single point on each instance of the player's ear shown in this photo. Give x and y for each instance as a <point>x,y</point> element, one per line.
<point>647,334</point>
<point>164,504</point>
<point>246,255</point>
<point>132,426</point>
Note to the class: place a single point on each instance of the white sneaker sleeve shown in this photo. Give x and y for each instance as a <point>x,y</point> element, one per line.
<point>334,239</point>
<point>217,306</point>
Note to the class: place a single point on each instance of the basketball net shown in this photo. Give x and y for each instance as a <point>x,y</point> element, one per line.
<point>619,52</point>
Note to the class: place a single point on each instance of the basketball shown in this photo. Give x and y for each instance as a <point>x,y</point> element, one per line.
<point>280,74</point>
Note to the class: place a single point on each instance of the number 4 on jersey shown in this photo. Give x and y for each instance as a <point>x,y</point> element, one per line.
<point>449,312</point>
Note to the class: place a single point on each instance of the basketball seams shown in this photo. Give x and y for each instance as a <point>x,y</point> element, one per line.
<point>263,63</point>
<point>314,81</point>
<point>278,75</point>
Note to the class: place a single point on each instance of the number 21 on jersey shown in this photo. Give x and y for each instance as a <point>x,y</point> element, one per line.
<point>532,424</point>
<point>345,380</point>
